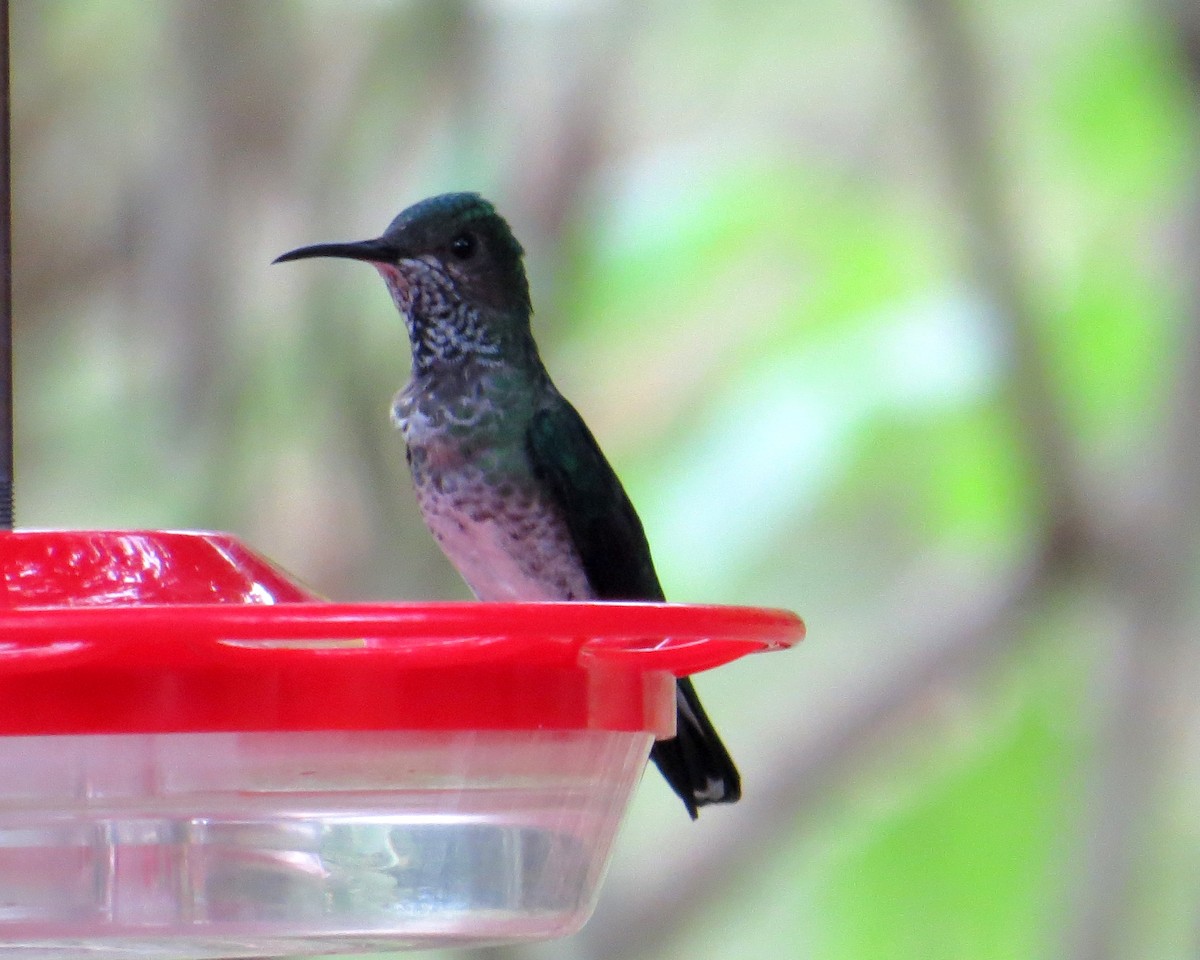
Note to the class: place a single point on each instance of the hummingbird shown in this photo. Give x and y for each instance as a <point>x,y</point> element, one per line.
<point>509,479</point>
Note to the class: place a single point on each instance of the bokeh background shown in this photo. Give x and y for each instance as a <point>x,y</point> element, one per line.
<point>887,312</point>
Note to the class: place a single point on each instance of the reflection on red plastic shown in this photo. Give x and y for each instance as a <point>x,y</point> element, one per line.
<point>153,631</point>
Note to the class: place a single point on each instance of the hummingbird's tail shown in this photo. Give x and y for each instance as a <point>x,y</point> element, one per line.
<point>695,762</point>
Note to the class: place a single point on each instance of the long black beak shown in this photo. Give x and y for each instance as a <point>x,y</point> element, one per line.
<point>373,251</point>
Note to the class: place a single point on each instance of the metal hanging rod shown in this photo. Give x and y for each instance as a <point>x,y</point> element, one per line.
<point>6,366</point>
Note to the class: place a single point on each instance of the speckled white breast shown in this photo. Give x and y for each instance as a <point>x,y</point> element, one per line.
<point>504,540</point>
<point>465,432</point>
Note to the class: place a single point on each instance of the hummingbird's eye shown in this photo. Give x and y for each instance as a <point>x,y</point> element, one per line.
<point>463,246</point>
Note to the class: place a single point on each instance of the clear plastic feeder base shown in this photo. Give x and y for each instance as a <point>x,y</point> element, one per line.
<point>252,844</point>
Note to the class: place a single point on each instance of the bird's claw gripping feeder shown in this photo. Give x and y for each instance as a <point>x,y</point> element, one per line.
<point>199,758</point>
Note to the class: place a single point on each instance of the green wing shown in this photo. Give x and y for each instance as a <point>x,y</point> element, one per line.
<point>610,540</point>
<point>602,522</point>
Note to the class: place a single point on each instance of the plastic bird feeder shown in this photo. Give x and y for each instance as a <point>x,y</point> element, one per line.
<point>202,759</point>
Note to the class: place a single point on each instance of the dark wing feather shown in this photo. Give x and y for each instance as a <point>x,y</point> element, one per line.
<point>608,534</point>
<point>602,522</point>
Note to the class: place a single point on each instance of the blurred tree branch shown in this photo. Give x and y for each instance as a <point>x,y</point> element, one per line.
<point>554,181</point>
<point>1181,452</point>
<point>358,402</point>
<point>1152,678</point>
<point>1140,561</point>
<point>964,120</point>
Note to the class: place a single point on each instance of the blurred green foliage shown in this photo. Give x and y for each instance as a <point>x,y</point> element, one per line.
<point>758,274</point>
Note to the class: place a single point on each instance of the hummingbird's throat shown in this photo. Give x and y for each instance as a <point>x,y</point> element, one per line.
<point>442,327</point>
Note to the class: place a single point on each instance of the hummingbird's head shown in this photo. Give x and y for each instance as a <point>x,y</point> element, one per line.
<point>454,270</point>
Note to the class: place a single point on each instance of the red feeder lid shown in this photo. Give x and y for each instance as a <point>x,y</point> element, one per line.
<point>157,631</point>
